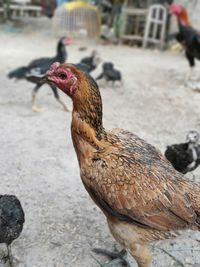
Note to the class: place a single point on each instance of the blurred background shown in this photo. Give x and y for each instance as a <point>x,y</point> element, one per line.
<point>94,19</point>
<point>147,94</point>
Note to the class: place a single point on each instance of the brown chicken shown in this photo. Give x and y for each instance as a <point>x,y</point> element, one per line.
<point>142,196</point>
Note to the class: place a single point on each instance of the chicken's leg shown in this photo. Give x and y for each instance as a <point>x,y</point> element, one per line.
<point>34,93</point>
<point>191,62</point>
<point>56,95</point>
<point>192,80</point>
<point>142,254</point>
<point>8,257</point>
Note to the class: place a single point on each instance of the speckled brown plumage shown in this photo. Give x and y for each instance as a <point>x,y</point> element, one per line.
<point>142,196</point>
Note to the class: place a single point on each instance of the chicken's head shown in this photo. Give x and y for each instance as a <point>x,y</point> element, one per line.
<point>176,9</point>
<point>192,137</point>
<point>67,40</point>
<point>181,13</point>
<point>64,76</point>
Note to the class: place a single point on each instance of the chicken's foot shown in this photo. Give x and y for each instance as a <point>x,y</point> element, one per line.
<point>116,257</point>
<point>37,109</point>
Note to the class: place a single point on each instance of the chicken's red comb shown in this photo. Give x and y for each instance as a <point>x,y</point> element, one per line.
<point>175,8</point>
<point>53,67</point>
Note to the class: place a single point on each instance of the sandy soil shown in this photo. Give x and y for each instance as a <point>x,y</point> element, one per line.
<point>38,162</point>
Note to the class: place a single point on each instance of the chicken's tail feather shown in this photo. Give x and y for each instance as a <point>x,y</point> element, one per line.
<point>18,73</point>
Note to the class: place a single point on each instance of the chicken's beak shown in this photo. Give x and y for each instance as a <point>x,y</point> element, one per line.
<point>45,79</point>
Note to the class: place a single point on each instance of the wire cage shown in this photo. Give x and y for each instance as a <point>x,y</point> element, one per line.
<point>78,19</point>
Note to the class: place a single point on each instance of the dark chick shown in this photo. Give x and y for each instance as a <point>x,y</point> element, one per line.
<point>185,157</point>
<point>35,71</point>
<point>187,36</point>
<point>88,64</point>
<point>109,73</point>
<point>11,221</point>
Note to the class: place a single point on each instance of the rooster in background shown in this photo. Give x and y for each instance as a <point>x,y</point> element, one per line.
<point>36,70</point>
<point>185,157</point>
<point>142,196</point>
<point>187,36</point>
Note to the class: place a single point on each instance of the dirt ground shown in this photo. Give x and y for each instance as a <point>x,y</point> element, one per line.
<point>38,162</point>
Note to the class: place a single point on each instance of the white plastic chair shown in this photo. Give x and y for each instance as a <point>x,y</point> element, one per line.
<point>155,26</point>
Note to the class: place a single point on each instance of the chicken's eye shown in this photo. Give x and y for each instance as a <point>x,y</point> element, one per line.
<point>62,76</point>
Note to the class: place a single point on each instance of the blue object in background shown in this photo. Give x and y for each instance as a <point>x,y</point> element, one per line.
<point>61,2</point>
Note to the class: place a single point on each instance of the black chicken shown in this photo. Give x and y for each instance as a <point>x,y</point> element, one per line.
<point>185,157</point>
<point>187,36</point>
<point>109,73</point>
<point>36,70</point>
<point>11,221</point>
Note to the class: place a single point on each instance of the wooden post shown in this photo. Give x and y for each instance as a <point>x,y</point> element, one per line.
<point>7,8</point>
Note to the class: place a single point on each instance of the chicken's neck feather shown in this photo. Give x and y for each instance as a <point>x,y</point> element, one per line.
<point>61,55</point>
<point>87,104</point>
<point>87,127</point>
<point>184,18</point>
